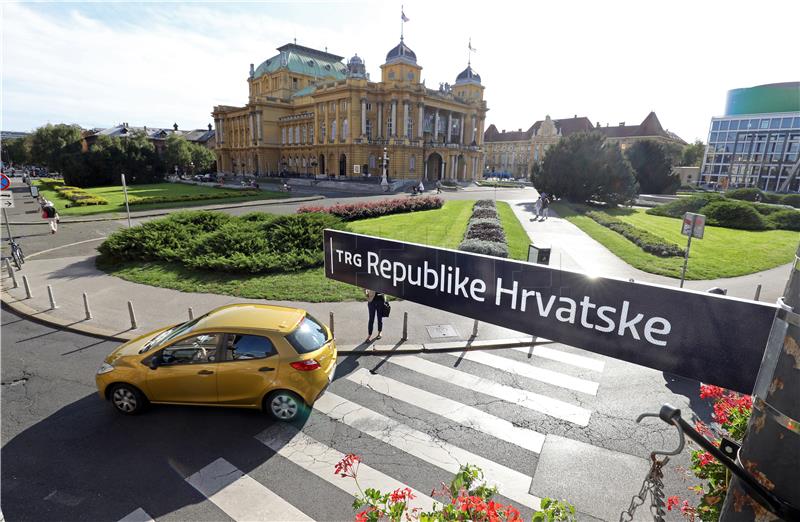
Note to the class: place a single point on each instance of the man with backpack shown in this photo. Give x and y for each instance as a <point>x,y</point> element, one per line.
<point>545,206</point>
<point>50,214</point>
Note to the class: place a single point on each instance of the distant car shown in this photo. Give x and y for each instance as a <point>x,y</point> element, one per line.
<point>256,356</point>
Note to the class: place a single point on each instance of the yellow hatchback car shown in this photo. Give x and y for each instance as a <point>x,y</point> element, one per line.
<point>243,356</point>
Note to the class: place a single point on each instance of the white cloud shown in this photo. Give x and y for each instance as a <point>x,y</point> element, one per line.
<point>155,64</point>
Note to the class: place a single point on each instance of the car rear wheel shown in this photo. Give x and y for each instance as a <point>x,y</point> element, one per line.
<point>127,399</point>
<point>284,405</point>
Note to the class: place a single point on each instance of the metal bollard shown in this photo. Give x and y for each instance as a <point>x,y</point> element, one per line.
<point>758,292</point>
<point>52,297</point>
<point>11,274</point>
<point>191,313</point>
<point>133,316</point>
<point>405,327</point>
<point>330,322</point>
<point>27,286</point>
<point>475,328</point>
<point>86,306</point>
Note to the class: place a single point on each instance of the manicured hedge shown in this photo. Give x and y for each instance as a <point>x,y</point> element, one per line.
<point>645,240</point>
<point>734,214</point>
<point>485,229</point>
<point>484,212</point>
<point>371,209</point>
<point>78,196</point>
<point>217,194</point>
<point>481,203</point>
<point>489,248</point>
<point>681,206</point>
<point>485,234</point>
<point>253,243</point>
<point>793,200</point>
<point>785,219</point>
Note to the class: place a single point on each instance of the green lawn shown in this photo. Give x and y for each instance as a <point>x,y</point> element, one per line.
<point>723,252</point>
<point>516,237</point>
<point>116,199</point>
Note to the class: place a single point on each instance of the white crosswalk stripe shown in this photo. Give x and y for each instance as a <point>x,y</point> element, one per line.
<point>140,515</point>
<point>240,496</point>
<point>319,459</point>
<point>530,400</point>
<point>512,484</point>
<point>572,359</point>
<point>531,372</point>
<point>450,409</point>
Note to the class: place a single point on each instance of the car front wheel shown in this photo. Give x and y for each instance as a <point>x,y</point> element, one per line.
<point>127,399</point>
<point>284,405</point>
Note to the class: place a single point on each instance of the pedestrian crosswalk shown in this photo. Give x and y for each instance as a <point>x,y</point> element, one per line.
<point>424,411</point>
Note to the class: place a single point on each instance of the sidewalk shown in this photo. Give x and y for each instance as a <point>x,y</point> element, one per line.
<point>573,249</point>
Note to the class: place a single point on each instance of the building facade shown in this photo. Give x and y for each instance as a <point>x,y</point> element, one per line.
<point>516,152</point>
<point>757,142</point>
<point>309,113</point>
<point>157,136</point>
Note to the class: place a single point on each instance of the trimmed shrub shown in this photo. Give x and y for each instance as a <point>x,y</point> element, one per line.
<point>484,212</point>
<point>354,211</point>
<point>489,248</point>
<point>680,206</point>
<point>765,209</point>
<point>486,229</point>
<point>786,219</point>
<point>77,196</point>
<point>745,194</point>
<point>734,214</point>
<point>137,200</point>
<point>481,203</point>
<point>645,240</point>
<point>793,200</point>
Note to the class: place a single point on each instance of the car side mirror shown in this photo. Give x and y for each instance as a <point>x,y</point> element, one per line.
<point>153,363</point>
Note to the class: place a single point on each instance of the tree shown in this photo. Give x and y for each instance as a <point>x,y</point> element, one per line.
<point>177,152</point>
<point>16,151</point>
<point>584,167</point>
<point>692,155</point>
<point>652,164</point>
<point>202,157</point>
<point>51,144</point>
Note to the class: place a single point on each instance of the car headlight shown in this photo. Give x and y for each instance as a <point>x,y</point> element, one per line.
<point>105,368</point>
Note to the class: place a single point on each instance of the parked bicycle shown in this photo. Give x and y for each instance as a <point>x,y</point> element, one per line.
<point>16,253</point>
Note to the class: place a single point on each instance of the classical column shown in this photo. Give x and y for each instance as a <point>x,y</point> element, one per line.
<point>442,175</point>
<point>421,122</point>
<point>339,133</point>
<point>461,128</point>
<point>449,126</point>
<point>480,131</point>
<point>252,127</point>
<point>473,129</point>
<point>381,134</point>
<point>260,127</point>
<point>436,125</point>
<point>316,124</point>
<point>363,116</point>
<point>405,120</point>
<point>394,118</point>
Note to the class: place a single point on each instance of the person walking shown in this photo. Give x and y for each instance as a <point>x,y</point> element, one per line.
<point>51,215</point>
<point>420,188</point>
<point>375,301</point>
<point>537,209</point>
<point>545,207</point>
<point>438,186</point>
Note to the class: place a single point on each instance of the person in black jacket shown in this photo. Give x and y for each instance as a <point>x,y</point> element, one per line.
<point>375,302</point>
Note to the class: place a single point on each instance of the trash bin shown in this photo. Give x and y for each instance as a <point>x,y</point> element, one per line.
<point>539,254</point>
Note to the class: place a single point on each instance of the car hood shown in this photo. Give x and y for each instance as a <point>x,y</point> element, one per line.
<point>132,347</point>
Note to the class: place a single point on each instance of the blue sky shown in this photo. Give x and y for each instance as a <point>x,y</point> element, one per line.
<point>156,63</point>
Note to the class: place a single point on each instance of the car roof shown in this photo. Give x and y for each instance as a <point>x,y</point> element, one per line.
<point>251,316</point>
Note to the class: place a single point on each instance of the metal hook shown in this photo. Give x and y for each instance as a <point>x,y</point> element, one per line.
<point>667,414</point>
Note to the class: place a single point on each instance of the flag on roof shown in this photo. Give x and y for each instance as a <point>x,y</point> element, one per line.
<point>403,16</point>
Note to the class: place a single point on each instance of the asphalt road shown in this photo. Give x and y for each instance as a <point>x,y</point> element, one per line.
<point>67,455</point>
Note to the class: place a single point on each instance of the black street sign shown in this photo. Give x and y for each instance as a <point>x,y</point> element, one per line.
<point>710,338</point>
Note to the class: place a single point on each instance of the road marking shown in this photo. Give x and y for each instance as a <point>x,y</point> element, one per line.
<point>511,483</point>
<point>140,515</point>
<point>455,411</point>
<point>526,399</point>
<point>319,459</point>
<point>65,246</point>
<point>565,357</point>
<point>531,372</point>
<point>240,496</point>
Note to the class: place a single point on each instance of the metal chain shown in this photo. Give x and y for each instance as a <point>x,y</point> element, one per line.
<point>652,486</point>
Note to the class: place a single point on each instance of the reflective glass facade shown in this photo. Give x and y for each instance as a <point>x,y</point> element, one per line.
<point>755,150</point>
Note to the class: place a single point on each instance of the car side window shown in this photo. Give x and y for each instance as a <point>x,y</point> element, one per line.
<point>242,347</point>
<point>196,349</point>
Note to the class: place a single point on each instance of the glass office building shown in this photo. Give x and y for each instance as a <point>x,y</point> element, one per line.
<point>757,142</point>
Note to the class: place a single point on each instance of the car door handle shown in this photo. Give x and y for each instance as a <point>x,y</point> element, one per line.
<point>266,369</point>
<point>205,372</point>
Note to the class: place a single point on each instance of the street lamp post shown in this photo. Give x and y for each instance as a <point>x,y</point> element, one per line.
<point>385,164</point>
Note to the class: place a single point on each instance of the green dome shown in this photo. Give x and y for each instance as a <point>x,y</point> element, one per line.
<point>304,60</point>
<point>774,97</point>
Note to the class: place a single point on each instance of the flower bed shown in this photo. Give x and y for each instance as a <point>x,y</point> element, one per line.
<point>642,238</point>
<point>138,200</point>
<point>371,209</point>
<point>78,196</point>
<point>485,234</point>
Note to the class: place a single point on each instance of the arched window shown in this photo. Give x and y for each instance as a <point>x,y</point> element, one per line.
<point>412,163</point>
<point>345,129</point>
<point>333,130</point>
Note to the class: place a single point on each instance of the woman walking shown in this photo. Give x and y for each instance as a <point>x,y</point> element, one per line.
<point>375,301</point>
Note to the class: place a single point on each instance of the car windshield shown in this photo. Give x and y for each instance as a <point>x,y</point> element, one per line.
<point>171,333</point>
<point>309,336</point>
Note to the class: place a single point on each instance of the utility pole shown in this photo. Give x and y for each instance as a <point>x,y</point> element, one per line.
<point>771,448</point>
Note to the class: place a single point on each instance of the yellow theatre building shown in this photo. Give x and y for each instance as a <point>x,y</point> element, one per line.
<point>310,113</point>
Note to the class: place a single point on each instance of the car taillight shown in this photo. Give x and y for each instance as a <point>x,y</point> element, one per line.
<point>305,366</point>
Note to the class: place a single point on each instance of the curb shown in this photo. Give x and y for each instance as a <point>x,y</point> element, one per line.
<point>256,203</point>
<point>42,317</point>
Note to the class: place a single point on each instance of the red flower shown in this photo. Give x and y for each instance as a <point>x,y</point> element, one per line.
<point>672,502</point>
<point>401,495</point>
<point>686,508</point>
<point>709,391</point>
<point>348,466</point>
<point>703,429</point>
<point>705,459</point>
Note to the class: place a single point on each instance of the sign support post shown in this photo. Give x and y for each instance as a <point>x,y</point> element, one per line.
<point>125,190</point>
<point>8,227</point>
<point>693,226</point>
<point>686,255</point>
<point>771,448</point>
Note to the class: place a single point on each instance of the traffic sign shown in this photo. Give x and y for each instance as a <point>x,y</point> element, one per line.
<point>5,183</point>
<point>6,199</point>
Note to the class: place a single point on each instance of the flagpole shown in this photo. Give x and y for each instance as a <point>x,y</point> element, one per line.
<point>402,21</point>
